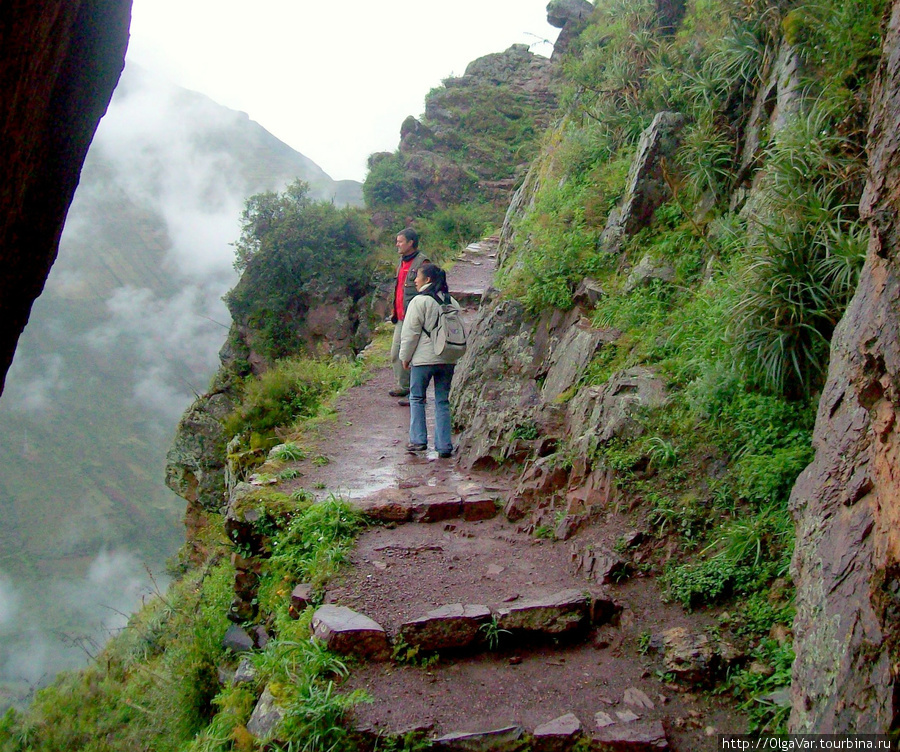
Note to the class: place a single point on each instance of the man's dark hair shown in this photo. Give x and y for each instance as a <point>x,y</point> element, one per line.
<point>411,235</point>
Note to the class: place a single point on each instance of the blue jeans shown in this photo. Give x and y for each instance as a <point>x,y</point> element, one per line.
<point>419,377</point>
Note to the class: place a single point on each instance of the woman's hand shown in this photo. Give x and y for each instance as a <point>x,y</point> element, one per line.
<point>406,365</point>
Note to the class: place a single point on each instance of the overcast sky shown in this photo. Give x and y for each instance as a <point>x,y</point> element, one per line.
<point>334,80</point>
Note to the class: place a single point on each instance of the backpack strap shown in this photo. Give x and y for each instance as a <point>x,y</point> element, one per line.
<point>434,296</point>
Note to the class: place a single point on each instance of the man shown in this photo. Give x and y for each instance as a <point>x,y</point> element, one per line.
<point>404,290</point>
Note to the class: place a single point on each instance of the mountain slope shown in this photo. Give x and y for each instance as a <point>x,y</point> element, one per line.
<point>128,328</point>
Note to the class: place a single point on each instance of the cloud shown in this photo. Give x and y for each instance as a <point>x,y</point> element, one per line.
<point>9,601</point>
<point>160,143</point>
<point>173,343</point>
<point>34,383</point>
<point>114,586</point>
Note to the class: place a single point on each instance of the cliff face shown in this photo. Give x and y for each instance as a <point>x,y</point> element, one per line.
<point>59,64</point>
<point>847,502</point>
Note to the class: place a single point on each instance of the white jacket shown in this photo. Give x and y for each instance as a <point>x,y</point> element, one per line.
<point>415,344</point>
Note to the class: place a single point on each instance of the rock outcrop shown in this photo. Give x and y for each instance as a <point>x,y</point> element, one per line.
<point>59,63</point>
<point>647,188</point>
<point>477,134</point>
<point>847,502</point>
<point>570,17</point>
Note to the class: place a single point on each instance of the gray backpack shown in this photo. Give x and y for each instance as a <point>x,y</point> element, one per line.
<point>448,338</point>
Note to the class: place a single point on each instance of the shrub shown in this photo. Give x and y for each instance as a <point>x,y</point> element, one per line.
<point>291,390</point>
<point>385,183</point>
<point>451,229</point>
<point>292,247</point>
<point>804,257</point>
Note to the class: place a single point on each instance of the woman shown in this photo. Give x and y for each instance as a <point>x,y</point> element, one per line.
<point>417,355</point>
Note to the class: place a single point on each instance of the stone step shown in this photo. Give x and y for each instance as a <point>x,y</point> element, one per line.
<point>427,504</point>
<point>563,734</point>
<point>458,626</point>
<point>450,627</point>
<point>349,632</point>
<point>561,613</point>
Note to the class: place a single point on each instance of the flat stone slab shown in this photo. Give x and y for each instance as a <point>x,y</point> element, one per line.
<point>558,735</point>
<point>451,626</point>
<point>560,613</point>
<point>637,699</point>
<point>350,633</point>
<point>639,736</point>
<point>301,597</point>
<point>509,739</point>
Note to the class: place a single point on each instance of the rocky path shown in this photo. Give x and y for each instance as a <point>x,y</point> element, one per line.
<point>495,634</point>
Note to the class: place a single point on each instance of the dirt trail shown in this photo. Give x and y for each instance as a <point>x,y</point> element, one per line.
<point>403,571</point>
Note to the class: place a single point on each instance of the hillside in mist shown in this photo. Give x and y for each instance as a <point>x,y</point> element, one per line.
<point>127,331</point>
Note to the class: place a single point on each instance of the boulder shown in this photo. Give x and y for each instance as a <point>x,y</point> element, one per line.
<point>561,12</point>
<point>301,597</point>
<point>599,564</point>
<point>245,673</point>
<point>646,189</point>
<point>266,716</point>
<point>237,640</point>
<point>448,627</point>
<point>695,657</point>
<point>350,633</point>
<point>558,735</point>
<point>564,612</point>
<point>568,525</point>
<point>648,270</point>
<point>570,16</point>
<point>598,414</point>
<point>572,355</point>
<point>241,516</point>
<point>688,655</point>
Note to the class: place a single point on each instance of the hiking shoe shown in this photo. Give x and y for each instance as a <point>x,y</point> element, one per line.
<point>413,448</point>
<point>398,392</point>
<point>403,402</point>
<point>445,455</point>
